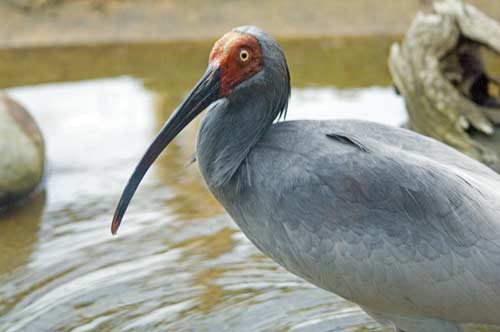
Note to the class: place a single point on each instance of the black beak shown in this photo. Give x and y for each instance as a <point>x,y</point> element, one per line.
<point>201,96</point>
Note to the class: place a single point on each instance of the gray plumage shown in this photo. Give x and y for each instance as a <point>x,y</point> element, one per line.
<point>398,223</point>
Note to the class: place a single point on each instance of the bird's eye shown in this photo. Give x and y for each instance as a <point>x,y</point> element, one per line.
<point>244,55</point>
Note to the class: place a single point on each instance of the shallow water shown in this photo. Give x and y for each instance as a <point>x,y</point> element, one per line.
<point>179,262</point>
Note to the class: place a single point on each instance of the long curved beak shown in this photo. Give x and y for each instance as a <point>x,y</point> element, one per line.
<point>201,96</point>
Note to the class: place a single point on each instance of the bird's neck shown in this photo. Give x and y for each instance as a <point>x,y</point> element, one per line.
<point>227,134</point>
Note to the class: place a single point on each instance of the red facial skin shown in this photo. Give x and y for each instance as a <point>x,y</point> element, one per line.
<point>227,55</point>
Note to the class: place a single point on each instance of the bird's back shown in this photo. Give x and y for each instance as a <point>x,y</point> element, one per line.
<point>389,219</point>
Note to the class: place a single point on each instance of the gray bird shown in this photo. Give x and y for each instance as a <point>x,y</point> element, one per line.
<point>402,225</point>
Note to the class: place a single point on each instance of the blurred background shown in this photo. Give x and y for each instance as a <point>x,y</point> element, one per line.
<point>100,77</point>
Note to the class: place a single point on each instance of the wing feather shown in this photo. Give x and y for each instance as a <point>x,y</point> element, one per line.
<point>395,228</point>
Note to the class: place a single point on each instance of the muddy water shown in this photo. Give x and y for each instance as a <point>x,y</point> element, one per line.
<point>179,262</point>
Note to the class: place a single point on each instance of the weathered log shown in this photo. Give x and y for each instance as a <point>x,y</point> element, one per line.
<point>439,71</point>
<point>22,152</point>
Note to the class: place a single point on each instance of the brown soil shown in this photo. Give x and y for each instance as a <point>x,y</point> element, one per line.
<point>62,22</point>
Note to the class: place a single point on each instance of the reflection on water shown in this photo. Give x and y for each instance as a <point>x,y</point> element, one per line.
<point>24,224</point>
<point>372,104</point>
<point>179,263</point>
<point>171,68</point>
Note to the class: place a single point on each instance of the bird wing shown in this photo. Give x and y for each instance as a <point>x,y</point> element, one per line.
<point>395,222</point>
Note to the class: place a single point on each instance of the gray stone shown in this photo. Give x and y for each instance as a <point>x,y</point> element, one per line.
<point>22,152</point>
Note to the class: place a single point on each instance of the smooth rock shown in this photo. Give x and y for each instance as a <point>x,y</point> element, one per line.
<point>22,152</point>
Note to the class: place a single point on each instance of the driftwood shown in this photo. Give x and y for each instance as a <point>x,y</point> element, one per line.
<point>439,71</point>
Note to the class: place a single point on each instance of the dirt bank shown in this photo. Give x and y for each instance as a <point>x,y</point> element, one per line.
<point>26,23</point>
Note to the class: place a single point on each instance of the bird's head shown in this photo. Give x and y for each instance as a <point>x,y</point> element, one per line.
<point>245,60</point>
<point>248,57</point>
<point>236,57</point>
